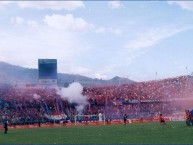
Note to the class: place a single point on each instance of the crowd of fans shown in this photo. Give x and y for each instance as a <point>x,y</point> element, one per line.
<point>144,98</point>
<point>30,105</point>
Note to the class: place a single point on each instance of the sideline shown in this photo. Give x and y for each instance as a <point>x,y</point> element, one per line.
<point>113,122</point>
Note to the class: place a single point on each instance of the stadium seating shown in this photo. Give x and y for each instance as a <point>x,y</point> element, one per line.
<point>137,100</point>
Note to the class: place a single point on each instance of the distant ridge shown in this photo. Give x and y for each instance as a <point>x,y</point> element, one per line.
<point>12,74</point>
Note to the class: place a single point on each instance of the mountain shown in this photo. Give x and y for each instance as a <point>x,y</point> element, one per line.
<point>12,74</point>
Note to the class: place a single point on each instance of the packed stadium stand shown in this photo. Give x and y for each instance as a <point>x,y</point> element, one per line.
<point>29,104</point>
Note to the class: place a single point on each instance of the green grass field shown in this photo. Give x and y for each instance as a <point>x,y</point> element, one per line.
<point>142,133</point>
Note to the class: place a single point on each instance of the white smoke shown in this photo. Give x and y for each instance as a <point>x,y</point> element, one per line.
<point>80,108</point>
<point>36,96</point>
<point>73,93</point>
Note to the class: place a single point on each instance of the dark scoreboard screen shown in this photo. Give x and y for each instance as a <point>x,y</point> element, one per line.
<point>47,68</point>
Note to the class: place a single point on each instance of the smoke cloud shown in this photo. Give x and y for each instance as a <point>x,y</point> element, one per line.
<point>36,96</point>
<point>73,93</point>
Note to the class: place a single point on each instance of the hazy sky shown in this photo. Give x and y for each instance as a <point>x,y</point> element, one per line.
<point>100,39</point>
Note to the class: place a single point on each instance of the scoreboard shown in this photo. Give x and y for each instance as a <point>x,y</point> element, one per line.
<point>47,69</point>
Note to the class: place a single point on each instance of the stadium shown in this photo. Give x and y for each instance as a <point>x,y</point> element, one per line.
<point>47,106</point>
<point>96,72</point>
